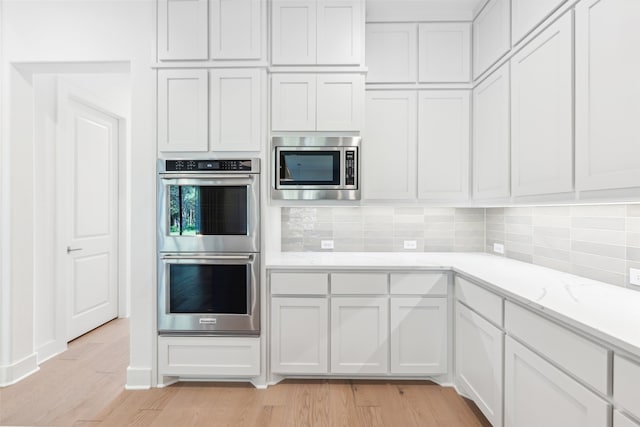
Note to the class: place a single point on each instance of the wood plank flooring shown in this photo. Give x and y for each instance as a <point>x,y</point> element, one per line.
<point>85,387</point>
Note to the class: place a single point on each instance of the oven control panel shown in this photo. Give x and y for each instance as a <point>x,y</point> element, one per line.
<point>227,165</point>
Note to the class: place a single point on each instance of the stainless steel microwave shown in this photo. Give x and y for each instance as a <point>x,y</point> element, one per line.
<point>315,168</point>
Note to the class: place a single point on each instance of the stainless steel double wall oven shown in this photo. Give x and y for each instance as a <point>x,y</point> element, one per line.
<point>209,246</point>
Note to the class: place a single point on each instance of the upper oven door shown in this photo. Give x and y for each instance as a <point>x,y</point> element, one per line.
<point>208,213</point>
<point>309,167</point>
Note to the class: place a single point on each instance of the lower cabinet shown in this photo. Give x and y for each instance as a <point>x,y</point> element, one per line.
<point>299,336</point>
<point>538,394</point>
<point>479,348</point>
<point>359,335</point>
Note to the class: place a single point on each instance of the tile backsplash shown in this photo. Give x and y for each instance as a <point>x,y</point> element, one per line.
<point>383,229</point>
<point>597,241</point>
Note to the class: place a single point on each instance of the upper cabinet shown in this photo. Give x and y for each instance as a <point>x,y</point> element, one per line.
<point>491,38</point>
<point>491,136</point>
<point>391,53</point>
<point>526,14</point>
<point>444,53</point>
<point>182,30</point>
<point>607,94</point>
<point>428,53</point>
<point>542,113</point>
<point>198,30</point>
<point>317,32</point>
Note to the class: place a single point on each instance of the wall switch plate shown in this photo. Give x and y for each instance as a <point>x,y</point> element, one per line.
<point>498,248</point>
<point>326,244</point>
<point>634,276</point>
<point>410,244</point>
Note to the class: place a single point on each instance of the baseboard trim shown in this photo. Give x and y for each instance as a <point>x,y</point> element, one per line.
<point>138,379</point>
<point>11,374</point>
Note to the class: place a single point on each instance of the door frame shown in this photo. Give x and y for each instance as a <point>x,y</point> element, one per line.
<point>67,90</point>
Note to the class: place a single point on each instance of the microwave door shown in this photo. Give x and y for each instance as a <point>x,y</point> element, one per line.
<point>309,168</point>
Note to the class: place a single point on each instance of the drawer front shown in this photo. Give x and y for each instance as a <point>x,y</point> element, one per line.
<point>626,384</point>
<point>484,302</point>
<point>620,420</point>
<point>575,354</point>
<point>299,283</point>
<point>209,356</point>
<point>359,283</point>
<point>419,284</point>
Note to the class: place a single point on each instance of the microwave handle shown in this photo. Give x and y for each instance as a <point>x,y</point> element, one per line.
<point>209,257</point>
<point>203,176</point>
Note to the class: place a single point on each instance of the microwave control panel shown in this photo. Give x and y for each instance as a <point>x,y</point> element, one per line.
<point>350,166</point>
<point>231,165</point>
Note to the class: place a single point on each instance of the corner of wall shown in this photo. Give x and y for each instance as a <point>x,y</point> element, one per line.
<point>138,378</point>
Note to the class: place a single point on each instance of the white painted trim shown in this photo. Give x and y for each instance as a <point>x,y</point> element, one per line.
<point>138,378</point>
<point>11,374</point>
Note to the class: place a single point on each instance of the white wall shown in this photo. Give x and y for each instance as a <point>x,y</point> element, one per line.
<point>36,32</point>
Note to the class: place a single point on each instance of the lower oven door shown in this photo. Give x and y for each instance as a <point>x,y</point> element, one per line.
<point>209,294</point>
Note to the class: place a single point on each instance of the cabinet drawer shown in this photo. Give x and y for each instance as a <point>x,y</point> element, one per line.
<point>620,420</point>
<point>419,284</point>
<point>583,358</point>
<point>299,283</point>
<point>359,283</point>
<point>484,302</point>
<point>626,384</point>
<point>208,356</point>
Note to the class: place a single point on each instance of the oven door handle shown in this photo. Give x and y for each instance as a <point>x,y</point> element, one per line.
<point>209,257</point>
<point>203,176</point>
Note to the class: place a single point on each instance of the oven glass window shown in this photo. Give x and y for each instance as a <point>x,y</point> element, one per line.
<point>309,168</point>
<point>207,210</point>
<point>206,288</point>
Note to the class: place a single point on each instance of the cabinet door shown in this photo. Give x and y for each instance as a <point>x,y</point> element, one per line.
<point>293,32</point>
<point>182,110</point>
<point>389,163</point>
<point>339,32</point>
<point>620,420</point>
<point>236,109</point>
<point>444,53</point>
<point>236,29</point>
<point>293,102</point>
<point>526,14</point>
<point>299,340</point>
<point>443,144</point>
<point>418,336</point>
<point>479,347</point>
<point>359,335</point>
<point>607,94</point>
<point>491,35</point>
<point>182,30</point>
<point>491,156</point>
<point>391,53</point>
<point>541,113</point>
<point>340,102</point>
<point>538,394</point>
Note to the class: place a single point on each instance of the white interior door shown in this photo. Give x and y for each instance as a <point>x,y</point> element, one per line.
<point>88,214</point>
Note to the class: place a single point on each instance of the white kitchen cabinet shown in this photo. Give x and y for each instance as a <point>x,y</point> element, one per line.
<point>538,394</point>
<point>340,102</point>
<point>542,113</point>
<point>443,144</point>
<point>359,335</point>
<point>299,335</point>
<point>626,384</point>
<point>236,29</point>
<point>326,32</point>
<point>391,53</point>
<point>182,110</point>
<point>418,335</point>
<point>479,355</point>
<point>444,53</point>
<point>389,161</point>
<point>526,14</point>
<point>620,420</point>
<point>491,155</point>
<point>491,35</point>
<point>293,102</point>
<point>182,30</point>
<point>236,109</point>
<point>607,94</point>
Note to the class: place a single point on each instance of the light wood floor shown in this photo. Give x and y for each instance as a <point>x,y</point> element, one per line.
<point>85,387</point>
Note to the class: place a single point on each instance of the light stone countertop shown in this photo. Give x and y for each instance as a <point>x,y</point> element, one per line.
<point>608,312</point>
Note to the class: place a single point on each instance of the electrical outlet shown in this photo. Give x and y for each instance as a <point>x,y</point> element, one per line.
<point>326,244</point>
<point>410,244</point>
<point>498,248</point>
<point>634,276</point>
